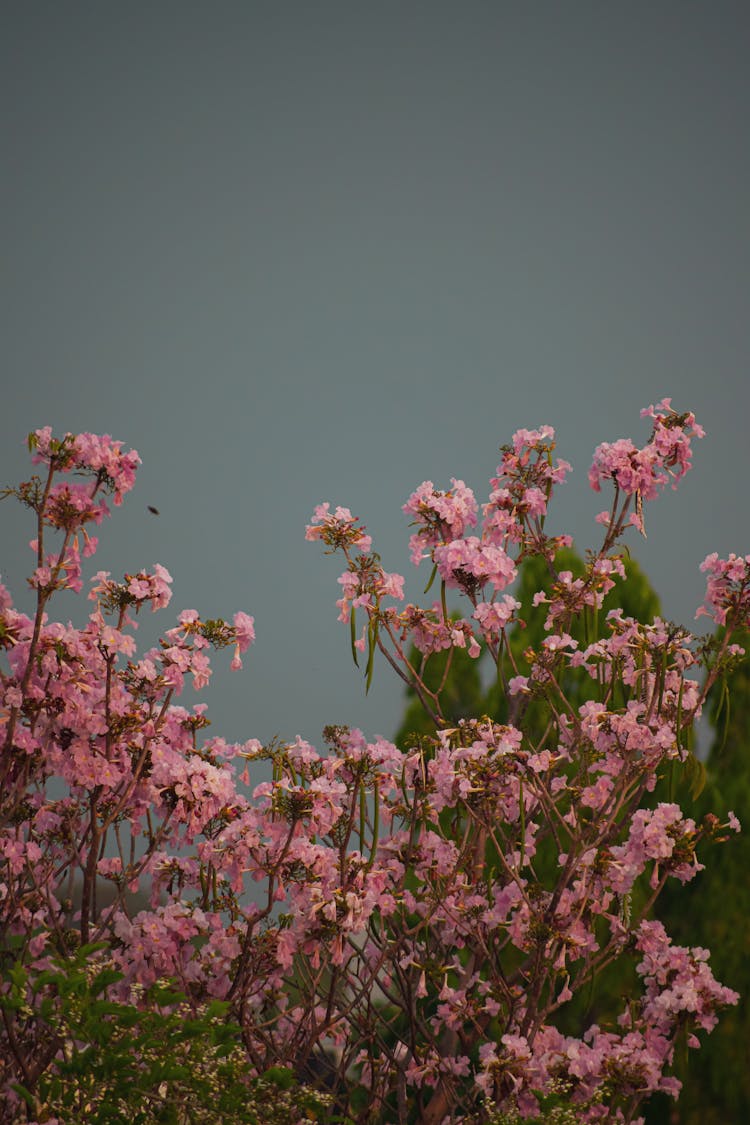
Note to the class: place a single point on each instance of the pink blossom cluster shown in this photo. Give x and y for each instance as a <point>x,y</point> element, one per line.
<point>392,914</point>
<point>470,564</point>
<point>365,585</point>
<point>441,516</point>
<point>643,472</point>
<point>431,630</point>
<point>522,489</point>
<point>727,589</point>
<point>94,454</point>
<point>569,593</point>
<point>663,835</point>
<point>337,529</point>
<point>478,566</point>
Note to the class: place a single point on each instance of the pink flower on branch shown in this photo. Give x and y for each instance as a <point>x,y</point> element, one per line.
<point>420,914</point>
<point>469,563</point>
<point>99,456</point>
<point>727,589</point>
<point>337,529</point>
<point>441,516</point>
<point>666,457</point>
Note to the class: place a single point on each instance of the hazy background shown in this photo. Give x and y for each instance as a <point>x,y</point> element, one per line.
<point>298,252</point>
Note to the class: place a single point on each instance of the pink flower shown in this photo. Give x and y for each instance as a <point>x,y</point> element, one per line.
<point>666,456</point>
<point>493,617</point>
<point>337,529</point>
<point>545,435</point>
<point>463,560</point>
<point>727,589</point>
<point>244,626</point>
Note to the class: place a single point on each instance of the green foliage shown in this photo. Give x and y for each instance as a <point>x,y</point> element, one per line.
<point>162,1062</point>
<point>635,597</point>
<point>462,696</point>
<point>555,1108</point>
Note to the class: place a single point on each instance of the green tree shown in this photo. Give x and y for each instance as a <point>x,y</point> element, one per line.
<point>714,911</point>
<point>164,1062</point>
<point>463,695</point>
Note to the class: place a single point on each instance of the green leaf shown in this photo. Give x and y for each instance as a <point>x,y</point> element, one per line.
<point>46,977</point>
<point>24,1093</point>
<point>353,634</point>
<point>372,641</point>
<point>362,815</point>
<point>99,1008</point>
<point>726,709</point>
<point>280,1076</point>
<point>104,979</point>
<point>432,578</point>
<point>217,1008</point>
<point>695,775</point>
<point>375,823</point>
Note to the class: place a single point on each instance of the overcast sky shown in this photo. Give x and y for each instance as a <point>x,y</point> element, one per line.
<point>297,252</point>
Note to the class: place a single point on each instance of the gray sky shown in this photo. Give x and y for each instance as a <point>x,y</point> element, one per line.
<point>299,252</point>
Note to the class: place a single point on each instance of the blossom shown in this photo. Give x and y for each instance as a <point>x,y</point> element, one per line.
<point>338,528</point>
<point>493,617</point>
<point>727,588</point>
<point>667,456</point>
<point>244,631</point>
<point>441,516</point>
<point>462,560</point>
<point>467,878</point>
